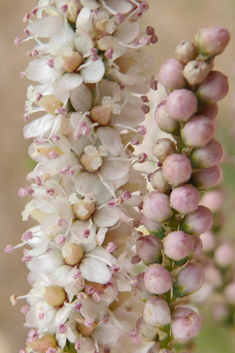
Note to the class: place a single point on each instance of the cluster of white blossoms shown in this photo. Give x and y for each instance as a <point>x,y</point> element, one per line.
<point>90,101</point>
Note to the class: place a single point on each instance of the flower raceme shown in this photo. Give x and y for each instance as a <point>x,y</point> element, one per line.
<point>104,245</point>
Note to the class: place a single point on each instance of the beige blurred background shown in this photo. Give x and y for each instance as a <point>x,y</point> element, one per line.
<point>173,20</point>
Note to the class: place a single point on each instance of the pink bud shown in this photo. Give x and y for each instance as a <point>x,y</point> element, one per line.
<point>185,323</point>
<point>176,169</point>
<point>163,148</point>
<point>198,131</point>
<point>185,51</point>
<point>181,104</point>
<point>171,74</point>
<point>185,198</point>
<point>207,156</point>
<point>213,199</point>
<point>197,222</point>
<point>213,276</point>
<point>196,71</point>
<point>209,110</point>
<point>156,206</point>
<point>224,255</point>
<point>149,249</point>
<point>156,311</point>
<point>197,249</point>
<point>177,245</point>
<point>229,293</point>
<point>157,279</point>
<point>151,226</point>
<point>158,182</point>
<point>188,280</point>
<point>163,120</point>
<point>206,178</point>
<point>213,89</point>
<point>212,40</point>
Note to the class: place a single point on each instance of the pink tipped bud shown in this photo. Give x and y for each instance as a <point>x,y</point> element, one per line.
<point>197,222</point>
<point>224,255</point>
<point>146,332</point>
<point>181,104</point>
<point>229,293</point>
<point>176,169</point>
<point>207,156</point>
<point>185,198</point>
<point>151,226</point>
<point>156,206</point>
<point>149,249</point>
<point>214,88</point>
<point>206,178</point>
<point>171,74</point>
<point>196,71</point>
<point>157,279</point>
<point>209,110</point>
<point>177,245</point>
<point>163,120</point>
<point>188,280</point>
<point>198,131</point>
<point>185,323</point>
<point>163,148</point>
<point>158,182</point>
<point>213,199</point>
<point>156,311</point>
<point>186,51</point>
<point>212,40</point>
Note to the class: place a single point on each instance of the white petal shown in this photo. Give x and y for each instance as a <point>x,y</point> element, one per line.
<point>106,216</point>
<point>119,6</point>
<point>39,70</point>
<point>91,4</point>
<point>66,83</point>
<point>107,42</point>
<point>63,207</point>
<point>83,43</point>
<point>61,316</point>
<point>113,170</point>
<point>95,271</point>
<point>81,98</point>
<point>87,184</point>
<point>106,334</point>
<point>84,20</point>
<point>90,309</point>
<point>94,72</point>
<point>77,229</point>
<point>127,32</point>
<point>39,127</point>
<point>110,139</point>
<point>46,26</point>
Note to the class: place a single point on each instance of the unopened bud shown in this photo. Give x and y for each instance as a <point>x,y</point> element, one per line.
<point>149,249</point>
<point>188,280</point>
<point>185,323</point>
<point>207,156</point>
<point>206,178</point>
<point>224,255</point>
<point>55,295</point>
<point>156,311</point>
<point>171,74</point>
<point>151,226</point>
<point>196,71</point>
<point>157,279</point>
<point>181,104</point>
<point>213,199</point>
<point>163,148</point>
<point>158,182</point>
<point>229,293</point>
<point>156,206</point>
<point>178,245</point>
<point>163,120</point>
<point>212,40</point>
<point>186,51</point>
<point>214,88</point>
<point>185,198</point>
<point>197,222</point>
<point>209,110</point>
<point>176,169</point>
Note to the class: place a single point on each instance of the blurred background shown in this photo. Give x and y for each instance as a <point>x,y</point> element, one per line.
<point>173,21</point>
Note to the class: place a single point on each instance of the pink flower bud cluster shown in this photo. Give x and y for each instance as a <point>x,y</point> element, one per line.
<point>187,164</point>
